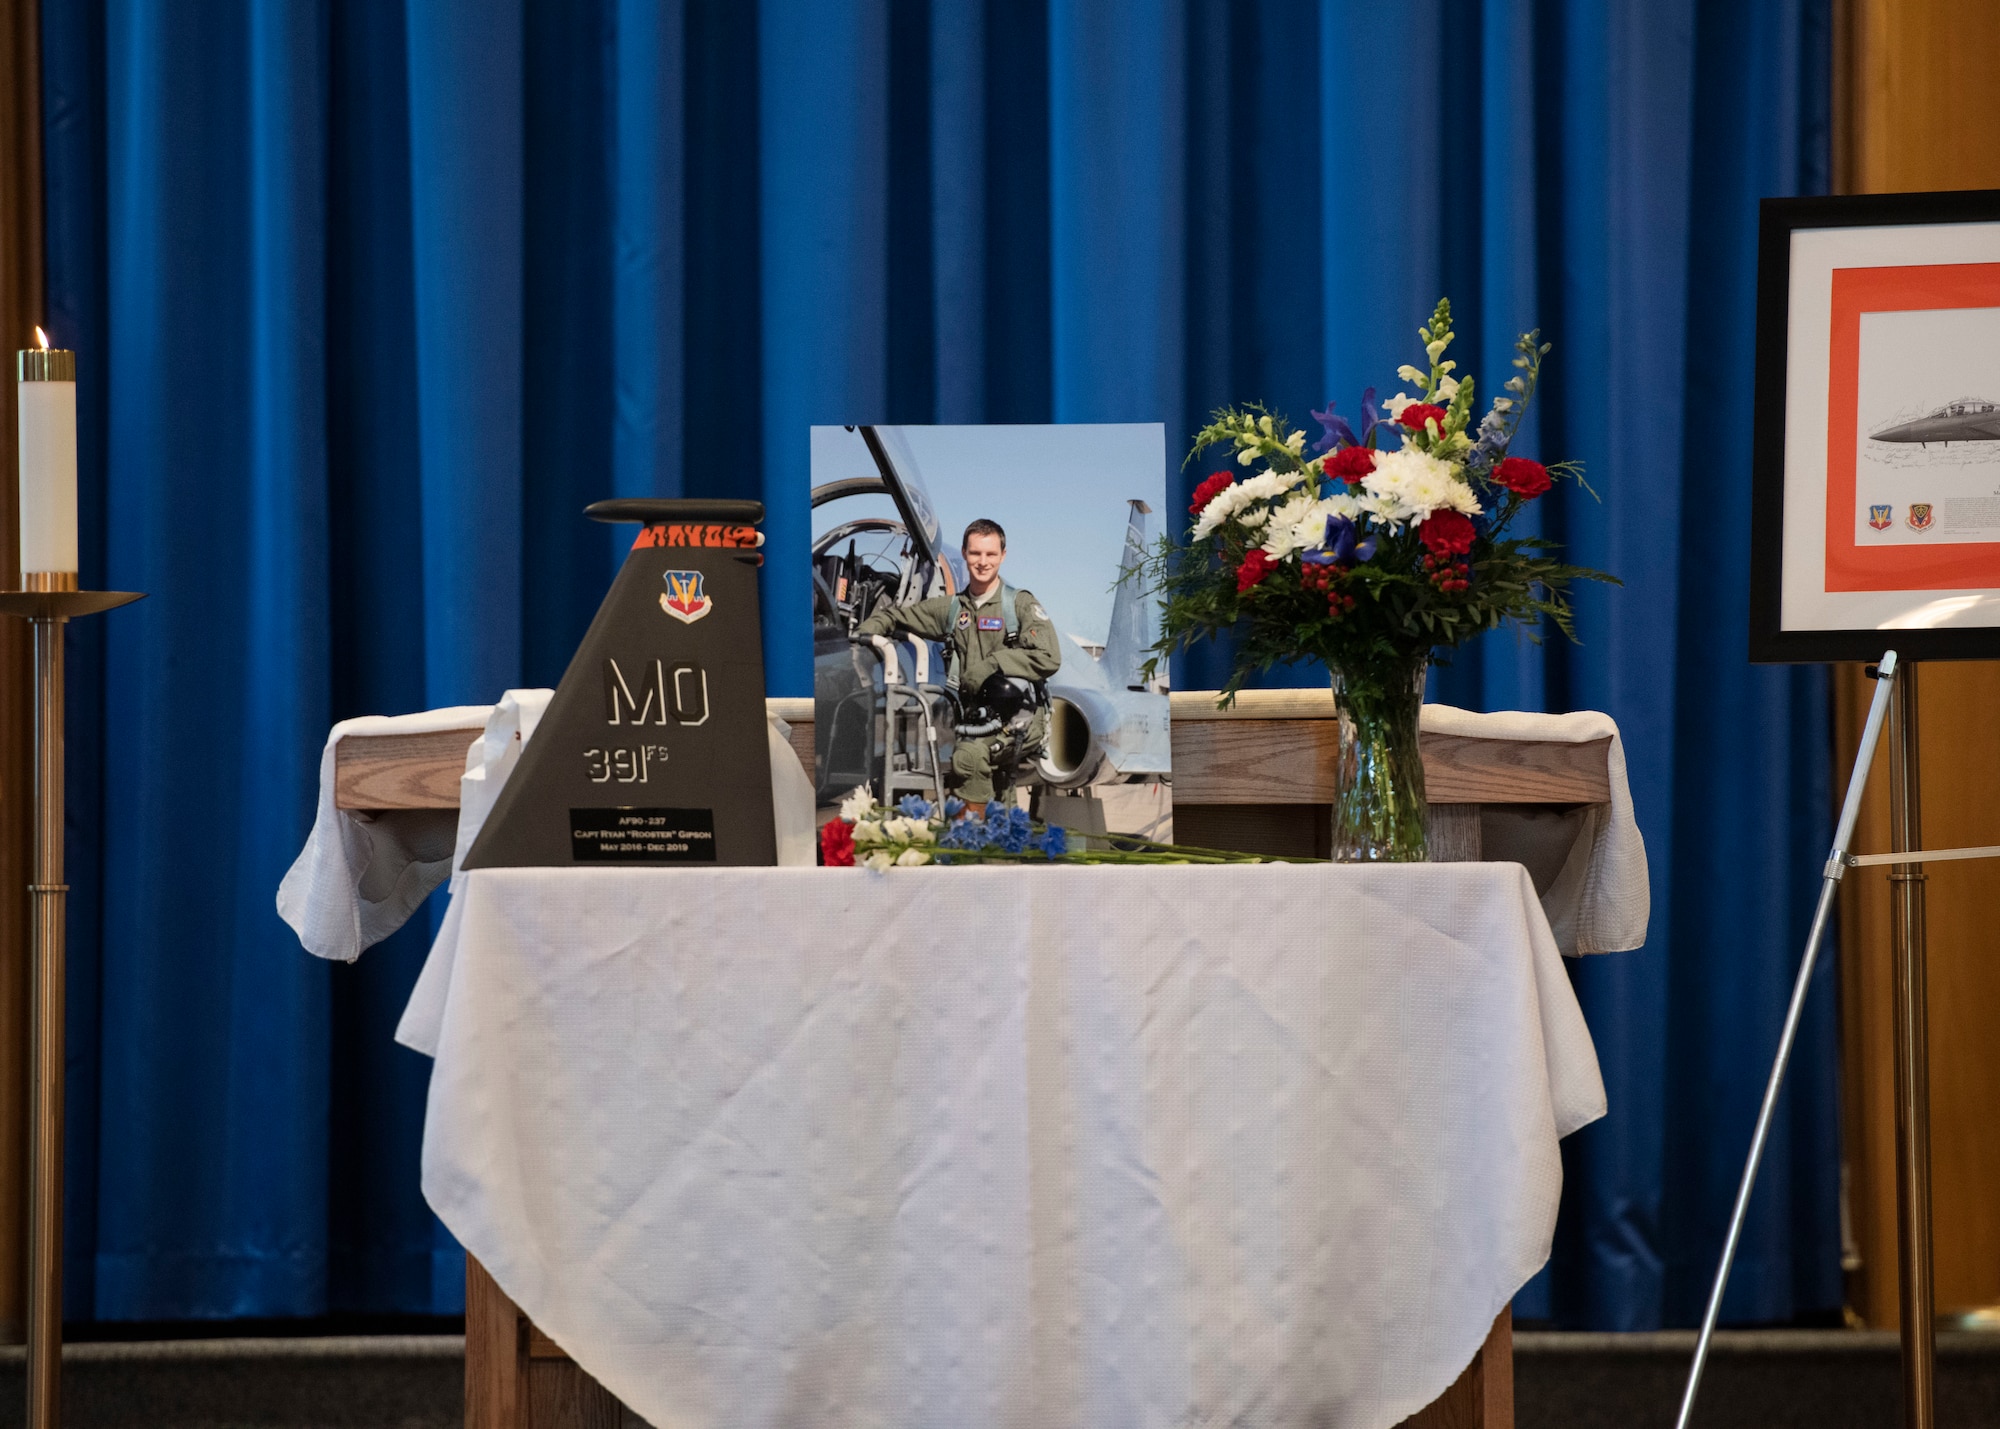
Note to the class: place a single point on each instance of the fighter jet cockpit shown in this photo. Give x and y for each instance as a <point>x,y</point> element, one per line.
<point>885,719</point>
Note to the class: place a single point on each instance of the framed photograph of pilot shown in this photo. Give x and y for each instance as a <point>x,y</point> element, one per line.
<point>982,620</point>
<point>1875,506</point>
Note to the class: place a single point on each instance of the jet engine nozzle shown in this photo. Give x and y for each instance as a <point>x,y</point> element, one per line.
<point>1073,754</point>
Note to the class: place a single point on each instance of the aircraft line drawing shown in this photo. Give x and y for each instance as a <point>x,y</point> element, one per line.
<point>1969,419</point>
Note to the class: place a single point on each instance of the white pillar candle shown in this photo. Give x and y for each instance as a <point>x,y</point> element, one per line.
<point>47,404</point>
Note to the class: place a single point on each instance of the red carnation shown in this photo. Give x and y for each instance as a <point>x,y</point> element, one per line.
<point>1447,533</point>
<point>1522,477</point>
<point>1350,464</point>
<point>836,843</point>
<point>1255,567</point>
<point>1209,490</point>
<point>1417,413</point>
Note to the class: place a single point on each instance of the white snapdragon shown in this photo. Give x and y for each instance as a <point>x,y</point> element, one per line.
<point>1408,485</point>
<point>878,860</point>
<point>1394,406</point>
<point>867,831</point>
<point>912,858</point>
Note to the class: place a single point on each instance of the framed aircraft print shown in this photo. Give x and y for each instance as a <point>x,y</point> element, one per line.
<point>1875,507</point>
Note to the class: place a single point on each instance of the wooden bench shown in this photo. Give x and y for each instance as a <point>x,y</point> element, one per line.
<point>1256,777</point>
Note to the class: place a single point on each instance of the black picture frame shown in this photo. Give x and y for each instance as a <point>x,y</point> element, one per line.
<point>1770,642</point>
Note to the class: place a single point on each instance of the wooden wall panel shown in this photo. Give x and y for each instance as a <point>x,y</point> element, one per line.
<point>20,309</point>
<point>1915,112</point>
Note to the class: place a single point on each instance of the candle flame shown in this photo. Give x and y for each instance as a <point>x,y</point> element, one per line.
<point>41,337</point>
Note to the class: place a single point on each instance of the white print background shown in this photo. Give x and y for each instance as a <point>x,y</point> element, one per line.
<point>1911,364</point>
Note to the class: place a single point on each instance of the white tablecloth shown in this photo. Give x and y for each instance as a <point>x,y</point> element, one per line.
<point>361,875</point>
<point>1602,899</point>
<point>1005,1147</point>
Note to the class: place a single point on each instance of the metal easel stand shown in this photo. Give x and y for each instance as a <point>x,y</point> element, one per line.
<point>1913,1099</point>
<point>48,611</point>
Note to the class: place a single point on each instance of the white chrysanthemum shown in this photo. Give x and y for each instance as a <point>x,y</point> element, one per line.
<point>856,804</point>
<point>1300,524</point>
<point>1220,508</point>
<point>1239,500</point>
<point>1408,485</point>
<point>1265,485</point>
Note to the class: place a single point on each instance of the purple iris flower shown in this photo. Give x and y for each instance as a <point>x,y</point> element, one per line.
<point>1340,546</point>
<point>1338,432</point>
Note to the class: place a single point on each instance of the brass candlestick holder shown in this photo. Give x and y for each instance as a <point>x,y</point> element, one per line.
<point>48,610</point>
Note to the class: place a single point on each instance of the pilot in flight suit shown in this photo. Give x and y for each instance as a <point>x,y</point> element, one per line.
<point>984,638</point>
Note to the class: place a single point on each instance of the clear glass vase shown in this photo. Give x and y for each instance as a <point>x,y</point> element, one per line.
<point>1378,805</point>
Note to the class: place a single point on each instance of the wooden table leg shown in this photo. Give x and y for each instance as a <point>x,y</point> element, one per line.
<point>516,1377</point>
<point>1483,1396</point>
<point>496,1355</point>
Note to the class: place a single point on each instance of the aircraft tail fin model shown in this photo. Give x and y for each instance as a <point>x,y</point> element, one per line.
<point>1133,611</point>
<point>654,749</point>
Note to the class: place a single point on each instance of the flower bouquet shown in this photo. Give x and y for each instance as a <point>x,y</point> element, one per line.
<point>916,832</point>
<point>1369,557</point>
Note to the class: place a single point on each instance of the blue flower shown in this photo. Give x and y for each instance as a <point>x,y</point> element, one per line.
<point>1339,433</point>
<point>968,833</point>
<point>913,807</point>
<point>1340,546</point>
<point>1053,841</point>
<point>953,806</point>
<point>1491,446</point>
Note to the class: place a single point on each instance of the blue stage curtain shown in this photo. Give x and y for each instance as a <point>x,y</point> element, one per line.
<point>372,297</point>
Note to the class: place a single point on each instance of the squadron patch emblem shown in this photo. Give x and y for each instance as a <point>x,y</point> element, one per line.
<point>1881,517</point>
<point>684,599</point>
<point>1040,614</point>
<point>1920,517</point>
<point>965,620</point>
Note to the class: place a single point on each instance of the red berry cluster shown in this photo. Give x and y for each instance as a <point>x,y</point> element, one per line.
<point>1449,574</point>
<point>1326,580</point>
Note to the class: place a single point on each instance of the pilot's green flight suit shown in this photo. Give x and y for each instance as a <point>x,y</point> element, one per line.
<point>1034,654</point>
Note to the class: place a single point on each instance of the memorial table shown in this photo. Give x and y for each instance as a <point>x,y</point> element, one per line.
<point>1497,996</point>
